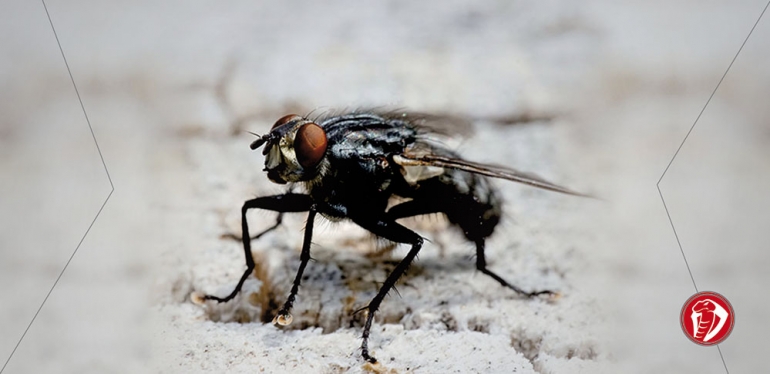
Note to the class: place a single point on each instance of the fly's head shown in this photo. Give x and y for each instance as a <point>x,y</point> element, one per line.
<point>295,150</point>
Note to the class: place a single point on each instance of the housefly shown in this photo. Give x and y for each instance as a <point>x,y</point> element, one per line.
<point>351,166</point>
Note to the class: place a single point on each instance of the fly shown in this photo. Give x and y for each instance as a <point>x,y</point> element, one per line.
<point>352,165</point>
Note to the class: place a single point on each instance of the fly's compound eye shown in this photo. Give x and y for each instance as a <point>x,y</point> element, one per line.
<point>284,120</point>
<point>310,145</point>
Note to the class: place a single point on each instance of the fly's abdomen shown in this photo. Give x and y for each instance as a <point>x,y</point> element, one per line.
<point>468,201</point>
<point>476,207</point>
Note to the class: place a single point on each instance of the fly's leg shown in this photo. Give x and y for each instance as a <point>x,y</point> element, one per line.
<point>277,223</point>
<point>412,208</point>
<point>419,207</point>
<point>406,209</point>
<point>481,265</point>
<point>390,230</point>
<point>284,317</point>
<point>280,203</point>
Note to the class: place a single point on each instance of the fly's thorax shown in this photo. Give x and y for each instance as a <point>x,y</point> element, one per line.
<point>295,151</point>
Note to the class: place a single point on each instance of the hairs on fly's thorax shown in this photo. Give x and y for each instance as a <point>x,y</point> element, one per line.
<point>319,114</point>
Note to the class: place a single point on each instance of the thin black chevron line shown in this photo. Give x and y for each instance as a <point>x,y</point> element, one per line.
<point>112,189</point>
<point>678,242</point>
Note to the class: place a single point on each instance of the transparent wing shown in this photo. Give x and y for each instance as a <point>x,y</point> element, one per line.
<point>422,158</point>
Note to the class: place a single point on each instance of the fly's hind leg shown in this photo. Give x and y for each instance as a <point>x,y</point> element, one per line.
<point>481,265</point>
<point>418,207</point>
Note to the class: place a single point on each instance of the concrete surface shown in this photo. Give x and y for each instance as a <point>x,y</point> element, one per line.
<point>170,89</point>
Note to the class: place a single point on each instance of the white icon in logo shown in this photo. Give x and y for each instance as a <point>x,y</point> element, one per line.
<point>708,318</point>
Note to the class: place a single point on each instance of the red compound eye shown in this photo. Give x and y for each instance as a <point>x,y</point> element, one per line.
<point>284,120</point>
<point>310,145</point>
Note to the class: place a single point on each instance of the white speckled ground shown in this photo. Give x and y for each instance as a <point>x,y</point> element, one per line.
<point>446,310</point>
<point>622,84</point>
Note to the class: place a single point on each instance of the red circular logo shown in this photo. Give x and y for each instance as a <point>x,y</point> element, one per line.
<point>707,318</point>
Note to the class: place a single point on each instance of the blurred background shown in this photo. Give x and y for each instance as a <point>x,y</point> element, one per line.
<point>170,89</point>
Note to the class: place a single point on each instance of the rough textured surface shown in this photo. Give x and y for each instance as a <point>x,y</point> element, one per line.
<point>446,310</point>
<point>169,89</point>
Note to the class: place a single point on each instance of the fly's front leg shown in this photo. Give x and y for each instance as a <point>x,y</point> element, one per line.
<point>390,230</point>
<point>279,203</point>
<point>277,223</point>
<point>284,317</point>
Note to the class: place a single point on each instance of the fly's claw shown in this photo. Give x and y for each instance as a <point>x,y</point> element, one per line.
<point>283,319</point>
<point>198,298</point>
